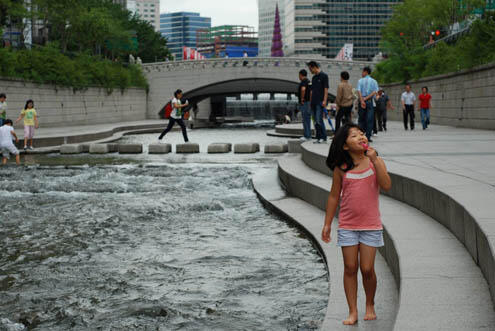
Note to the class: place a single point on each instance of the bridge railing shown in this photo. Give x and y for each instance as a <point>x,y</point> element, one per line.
<point>252,62</point>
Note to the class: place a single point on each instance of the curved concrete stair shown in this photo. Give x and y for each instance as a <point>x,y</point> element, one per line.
<point>441,287</point>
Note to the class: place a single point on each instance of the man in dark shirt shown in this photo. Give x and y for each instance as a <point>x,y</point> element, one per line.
<point>382,104</point>
<point>319,97</point>
<point>304,94</point>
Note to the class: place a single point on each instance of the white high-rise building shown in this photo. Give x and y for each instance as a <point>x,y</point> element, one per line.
<point>148,10</point>
<point>303,34</point>
<point>266,17</point>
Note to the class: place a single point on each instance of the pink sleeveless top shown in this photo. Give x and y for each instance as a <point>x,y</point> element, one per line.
<point>359,201</point>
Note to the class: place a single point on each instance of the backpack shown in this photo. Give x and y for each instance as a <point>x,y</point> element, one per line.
<point>166,111</point>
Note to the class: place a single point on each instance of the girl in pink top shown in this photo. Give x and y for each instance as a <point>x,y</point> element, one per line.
<point>358,176</point>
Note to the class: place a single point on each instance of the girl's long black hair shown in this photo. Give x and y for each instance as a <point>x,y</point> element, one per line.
<point>337,156</point>
<point>28,102</point>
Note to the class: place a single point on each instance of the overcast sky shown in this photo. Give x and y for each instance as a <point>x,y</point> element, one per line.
<point>234,12</point>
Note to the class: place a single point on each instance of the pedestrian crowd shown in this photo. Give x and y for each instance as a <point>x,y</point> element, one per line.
<point>372,104</point>
<point>7,133</point>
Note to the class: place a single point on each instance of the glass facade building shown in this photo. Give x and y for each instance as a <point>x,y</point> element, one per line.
<point>320,28</point>
<point>357,22</point>
<point>180,30</point>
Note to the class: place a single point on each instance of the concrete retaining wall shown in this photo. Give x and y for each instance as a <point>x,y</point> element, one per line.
<point>463,99</point>
<point>57,106</point>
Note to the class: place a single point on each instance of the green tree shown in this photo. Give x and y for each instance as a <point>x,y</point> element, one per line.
<point>151,45</point>
<point>409,29</point>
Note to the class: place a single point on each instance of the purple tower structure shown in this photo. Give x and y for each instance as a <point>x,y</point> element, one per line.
<point>277,37</point>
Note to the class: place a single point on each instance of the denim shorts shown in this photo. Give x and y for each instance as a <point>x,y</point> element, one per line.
<point>373,238</point>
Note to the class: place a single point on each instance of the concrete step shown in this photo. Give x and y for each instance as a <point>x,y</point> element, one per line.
<point>310,220</point>
<point>441,287</point>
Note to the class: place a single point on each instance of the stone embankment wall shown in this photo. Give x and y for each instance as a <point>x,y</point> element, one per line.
<point>463,99</point>
<point>61,106</point>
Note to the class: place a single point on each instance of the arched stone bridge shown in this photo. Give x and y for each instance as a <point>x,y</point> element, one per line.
<point>202,79</point>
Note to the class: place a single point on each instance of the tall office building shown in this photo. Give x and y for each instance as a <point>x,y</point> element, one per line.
<point>355,22</point>
<point>180,30</point>
<point>266,20</point>
<point>322,27</point>
<point>303,25</point>
<point>148,10</point>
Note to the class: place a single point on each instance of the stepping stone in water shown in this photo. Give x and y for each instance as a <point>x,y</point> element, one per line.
<point>130,148</point>
<point>71,149</point>
<point>216,148</point>
<point>113,148</point>
<point>98,149</point>
<point>187,148</point>
<point>159,149</point>
<point>276,148</point>
<point>246,148</point>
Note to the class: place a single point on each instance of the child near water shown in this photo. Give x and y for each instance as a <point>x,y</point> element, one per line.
<point>7,147</point>
<point>358,176</point>
<point>30,123</point>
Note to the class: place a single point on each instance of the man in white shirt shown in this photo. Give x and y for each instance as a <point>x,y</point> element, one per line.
<point>408,100</point>
<point>6,145</point>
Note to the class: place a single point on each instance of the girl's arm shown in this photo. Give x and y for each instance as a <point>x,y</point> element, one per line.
<point>332,203</point>
<point>20,118</point>
<point>382,176</point>
<point>36,124</point>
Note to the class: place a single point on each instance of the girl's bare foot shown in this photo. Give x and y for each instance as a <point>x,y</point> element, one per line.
<point>351,320</point>
<point>370,313</point>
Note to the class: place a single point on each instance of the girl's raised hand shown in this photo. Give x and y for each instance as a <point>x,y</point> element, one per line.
<point>372,154</point>
<point>325,233</point>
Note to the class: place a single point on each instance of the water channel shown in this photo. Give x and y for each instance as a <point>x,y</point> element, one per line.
<point>160,243</point>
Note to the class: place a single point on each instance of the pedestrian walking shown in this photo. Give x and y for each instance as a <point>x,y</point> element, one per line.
<point>176,116</point>
<point>304,104</point>
<point>425,104</point>
<point>30,123</point>
<point>367,89</point>
<point>375,126</point>
<point>382,105</point>
<point>358,176</point>
<point>344,100</point>
<point>408,100</point>
<point>328,115</point>
<point>3,108</point>
<point>318,98</point>
<point>6,145</point>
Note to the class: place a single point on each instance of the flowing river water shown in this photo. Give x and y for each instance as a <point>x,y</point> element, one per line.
<point>152,246</point>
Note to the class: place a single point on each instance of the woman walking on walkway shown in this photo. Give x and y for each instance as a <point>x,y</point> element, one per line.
<point>176,116</point>
<point>358,176</point>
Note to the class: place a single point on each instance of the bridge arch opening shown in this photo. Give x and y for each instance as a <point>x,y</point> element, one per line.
<point>208,101</point>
